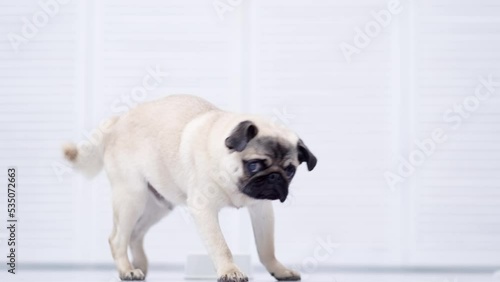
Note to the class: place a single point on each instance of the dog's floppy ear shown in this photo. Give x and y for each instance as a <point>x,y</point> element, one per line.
<point>241,135</point>
<point>306,156</point>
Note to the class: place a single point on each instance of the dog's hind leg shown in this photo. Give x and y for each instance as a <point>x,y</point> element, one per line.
<point>129,201</point>
<point>156,209</point>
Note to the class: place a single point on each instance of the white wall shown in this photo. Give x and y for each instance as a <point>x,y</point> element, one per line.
<point>282,59</point>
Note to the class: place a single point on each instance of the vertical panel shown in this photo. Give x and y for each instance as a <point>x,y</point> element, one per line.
<point>192,51</point>
<point>457,216</point>
<point>343,111</point>
<point>38,90</point>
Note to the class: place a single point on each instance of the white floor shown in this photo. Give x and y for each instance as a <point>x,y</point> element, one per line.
<point>110,276</point>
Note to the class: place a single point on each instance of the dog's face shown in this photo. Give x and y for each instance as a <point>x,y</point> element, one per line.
<point>268,162</point>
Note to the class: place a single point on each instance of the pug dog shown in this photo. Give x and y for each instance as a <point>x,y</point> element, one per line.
<point>182,150</point>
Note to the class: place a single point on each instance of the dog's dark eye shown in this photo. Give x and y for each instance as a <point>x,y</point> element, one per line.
<point>290,171</point>
<point>254,166</point>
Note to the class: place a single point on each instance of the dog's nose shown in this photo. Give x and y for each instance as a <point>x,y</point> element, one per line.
<point>274,178</point>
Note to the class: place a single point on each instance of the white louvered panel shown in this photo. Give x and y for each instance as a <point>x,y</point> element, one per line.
<point>456,194</point>
<point>37,113</point>
<point>201,54</point>
<point>343,112</point>
<point>185,39</point>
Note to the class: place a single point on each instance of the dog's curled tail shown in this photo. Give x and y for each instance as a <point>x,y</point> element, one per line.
<point>86,156</point>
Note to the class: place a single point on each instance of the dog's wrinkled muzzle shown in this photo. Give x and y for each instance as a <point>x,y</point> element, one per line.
<point>279,185</point>
<point>274,192</point>
<point>270,187</point>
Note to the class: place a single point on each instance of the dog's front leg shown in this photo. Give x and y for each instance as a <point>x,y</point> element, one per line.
<point>207,221</point>
<point>262,216</point>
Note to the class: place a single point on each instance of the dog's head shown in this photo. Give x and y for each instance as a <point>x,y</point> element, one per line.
<point>269,159</point>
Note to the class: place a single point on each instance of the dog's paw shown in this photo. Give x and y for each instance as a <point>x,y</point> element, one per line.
<point>286,275</point>
<point>233,276</point>
<point>135,274</point>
